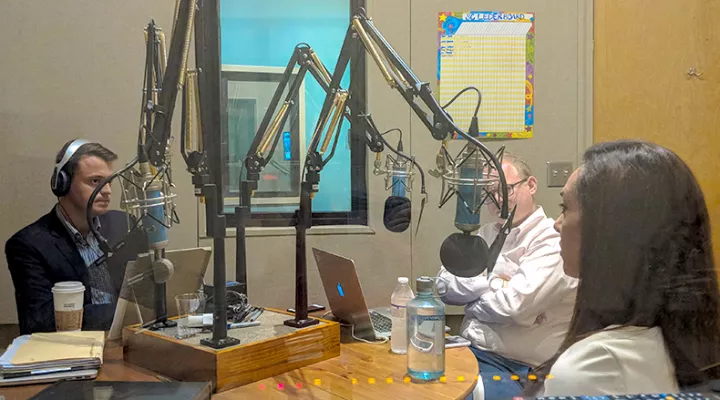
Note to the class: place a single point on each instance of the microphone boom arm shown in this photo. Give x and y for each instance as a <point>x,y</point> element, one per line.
<point>401,78</point>
<point>262,148</point>
<point>173,79</point>
<point>267,136</point>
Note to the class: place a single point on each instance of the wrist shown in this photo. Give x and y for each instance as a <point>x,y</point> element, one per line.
<point>497,283</point>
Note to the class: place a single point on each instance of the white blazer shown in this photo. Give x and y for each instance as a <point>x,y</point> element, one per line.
<point>620,361</point>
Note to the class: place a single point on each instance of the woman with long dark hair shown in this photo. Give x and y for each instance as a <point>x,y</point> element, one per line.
<point>635,230</point>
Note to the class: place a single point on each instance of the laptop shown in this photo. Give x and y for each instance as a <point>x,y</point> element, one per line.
<point>346,299</point>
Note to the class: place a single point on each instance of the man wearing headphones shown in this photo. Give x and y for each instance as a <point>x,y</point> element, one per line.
<point>61,247</point>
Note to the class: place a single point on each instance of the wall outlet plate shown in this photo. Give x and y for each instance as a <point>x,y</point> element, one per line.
<point>558,173</point>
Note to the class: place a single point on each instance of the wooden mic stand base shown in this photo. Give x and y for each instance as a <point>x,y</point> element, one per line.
<point>270,349</point>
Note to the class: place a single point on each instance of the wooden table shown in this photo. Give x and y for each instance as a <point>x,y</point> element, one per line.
<point>365,371</point>
<point>362,371</point>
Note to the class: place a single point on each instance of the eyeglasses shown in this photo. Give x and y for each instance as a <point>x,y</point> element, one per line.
<point>495,192</point>
<point>511,186</point>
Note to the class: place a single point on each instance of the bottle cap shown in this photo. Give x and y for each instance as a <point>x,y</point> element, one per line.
<point>402,279</point>
<point>424,284</point>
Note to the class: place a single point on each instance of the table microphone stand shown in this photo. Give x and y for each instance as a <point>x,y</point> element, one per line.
<point>303,221</point>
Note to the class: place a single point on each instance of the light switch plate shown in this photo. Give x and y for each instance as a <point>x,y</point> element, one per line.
<point>558,173</point>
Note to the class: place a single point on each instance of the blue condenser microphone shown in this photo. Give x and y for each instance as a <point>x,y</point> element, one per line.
<point>464,251</point>
<point>397,214</point>
<point>154,222</point>
<point>398,179</point>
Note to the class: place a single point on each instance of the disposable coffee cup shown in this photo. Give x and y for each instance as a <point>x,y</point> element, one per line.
<point>68,298</point>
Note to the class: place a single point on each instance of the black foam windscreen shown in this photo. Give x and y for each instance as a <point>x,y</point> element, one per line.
<point>464,255</point>
<point>397,214</point>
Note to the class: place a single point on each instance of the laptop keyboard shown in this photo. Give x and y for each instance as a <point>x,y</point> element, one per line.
<point>380,322</point>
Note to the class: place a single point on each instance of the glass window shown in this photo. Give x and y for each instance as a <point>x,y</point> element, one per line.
<point>256,46</point>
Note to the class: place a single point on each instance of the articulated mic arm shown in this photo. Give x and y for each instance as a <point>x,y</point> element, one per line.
<point>325,134</point>
<point>173,81</point>
<point>266,139</point>
<point>401,78</point>
<point>268,134</point>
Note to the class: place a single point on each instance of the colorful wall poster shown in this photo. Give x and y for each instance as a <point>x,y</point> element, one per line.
<point>494,52</point>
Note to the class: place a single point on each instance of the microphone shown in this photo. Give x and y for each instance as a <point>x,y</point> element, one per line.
<point>156,231</point>
<point>464,253</point>
<point>397,214</point>
<point>148,198</point>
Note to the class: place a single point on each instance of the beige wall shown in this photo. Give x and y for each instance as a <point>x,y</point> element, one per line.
<point>74,68</point>
<point>71,68</point>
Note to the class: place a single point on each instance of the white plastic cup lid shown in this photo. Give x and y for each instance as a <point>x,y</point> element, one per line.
<point>68,287</point>
<point>402,279</point>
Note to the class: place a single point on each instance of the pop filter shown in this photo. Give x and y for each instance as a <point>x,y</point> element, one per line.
<point>397,214</point>
<point>464,255</point>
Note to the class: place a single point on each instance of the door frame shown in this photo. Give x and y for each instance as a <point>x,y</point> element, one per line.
<point>586,47</point>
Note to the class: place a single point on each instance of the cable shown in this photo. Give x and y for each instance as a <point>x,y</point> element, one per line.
<point>477,106</point>
<point>241,297</point>
<point>352,332</point>
<point>393,129</point>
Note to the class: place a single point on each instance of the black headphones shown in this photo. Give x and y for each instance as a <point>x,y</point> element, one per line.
<point>61,179</point>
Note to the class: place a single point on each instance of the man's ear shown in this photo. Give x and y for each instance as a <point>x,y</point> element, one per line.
<point>532,185</point>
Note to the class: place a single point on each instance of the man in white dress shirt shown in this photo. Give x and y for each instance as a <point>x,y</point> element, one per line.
<point>517,317</point>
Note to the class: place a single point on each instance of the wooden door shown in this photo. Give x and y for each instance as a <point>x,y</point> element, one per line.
<point>643,52</point>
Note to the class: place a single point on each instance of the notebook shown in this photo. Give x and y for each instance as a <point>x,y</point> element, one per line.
<point>52,347</point>
<point>52,356</point>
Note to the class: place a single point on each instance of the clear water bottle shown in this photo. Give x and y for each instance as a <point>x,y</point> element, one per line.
<point>426,333</point>
<point>399,300</point>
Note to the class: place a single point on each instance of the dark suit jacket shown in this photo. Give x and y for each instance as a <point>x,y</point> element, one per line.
<point>44,253</point>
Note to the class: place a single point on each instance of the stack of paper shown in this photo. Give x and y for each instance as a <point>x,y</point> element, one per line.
<point>47,357</point>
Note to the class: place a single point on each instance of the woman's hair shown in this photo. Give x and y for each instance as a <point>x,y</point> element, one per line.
<point>646,255</point>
